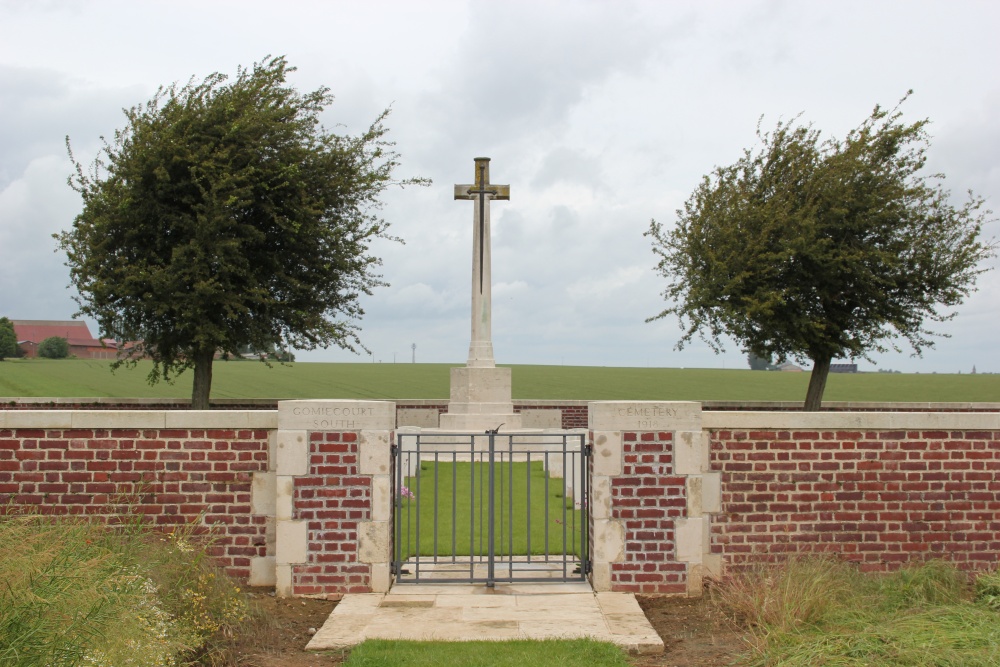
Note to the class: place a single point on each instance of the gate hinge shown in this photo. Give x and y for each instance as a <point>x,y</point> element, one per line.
<point>589,450</point>
<point>394,449</point>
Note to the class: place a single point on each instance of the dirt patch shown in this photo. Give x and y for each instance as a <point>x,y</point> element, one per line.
<point>695,633</point>
<point>288,625</point>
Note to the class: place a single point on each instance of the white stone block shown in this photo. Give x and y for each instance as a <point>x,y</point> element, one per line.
<point>420,417</point>
<point>375,454</point>
<point>221,419</point>
<point>337,415</point>
<point>40,419</point>
<point>282,580</point>
<point>713,565</point>
<point>600,497</point>
<point>693,490</point>
<point>292,544</point>
<point>609,541</point>
<point>272,450</point>
<point>381,578</point>
<point>607,453</point>
<point>293,453</point>
<point>481,385</point>
<point>691,537</point>
<point>381,498</point>
<point>600,577</point>
<point>711,493</point>
<point>374,542</point>
<point>284,497</point>
<point>644,416</point>
<point>263,493</point>
<point>262,571</point>
<point>691,452</point>
<point>119,419</point>
<point>541,418</point>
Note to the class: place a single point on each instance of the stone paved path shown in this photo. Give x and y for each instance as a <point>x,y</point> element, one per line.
<point>458,612</point>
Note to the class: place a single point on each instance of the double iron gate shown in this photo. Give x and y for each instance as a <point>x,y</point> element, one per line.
<point>490,508</point>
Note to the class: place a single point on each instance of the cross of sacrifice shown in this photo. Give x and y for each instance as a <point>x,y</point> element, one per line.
<point>482,192</point>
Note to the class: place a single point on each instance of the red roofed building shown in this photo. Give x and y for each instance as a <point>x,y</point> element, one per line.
<point>30,334</point>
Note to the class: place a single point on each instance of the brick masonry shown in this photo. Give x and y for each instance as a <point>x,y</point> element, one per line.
<point>879,498</point>
<point>648,499</point>
<point>168,476</point>
<point>333,499</point>
<point>678,493</point>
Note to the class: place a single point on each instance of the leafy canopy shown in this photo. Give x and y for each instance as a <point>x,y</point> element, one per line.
<point>8,339</point>
<point>53,347</point>
<point>225,216</point>
<point>821,249</point>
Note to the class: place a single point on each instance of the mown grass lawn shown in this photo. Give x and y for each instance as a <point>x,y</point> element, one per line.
<point>451,508</point>
<point>247,379</point>
<point>560,653</point>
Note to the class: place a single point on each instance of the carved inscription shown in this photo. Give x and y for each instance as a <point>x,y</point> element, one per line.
<point>333,417</point>
<point>647,417</point>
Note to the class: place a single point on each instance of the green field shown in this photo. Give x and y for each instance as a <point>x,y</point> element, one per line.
<point>249,379</point>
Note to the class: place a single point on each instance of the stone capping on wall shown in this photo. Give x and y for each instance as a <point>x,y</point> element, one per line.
<point>867,421</point>
<point>53,403</point>
<point>119,419</point>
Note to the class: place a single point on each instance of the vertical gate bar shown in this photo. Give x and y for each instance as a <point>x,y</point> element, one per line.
<point>490,574</point>
<point>409,511</point>
<point>416,558</point>
<point>563,503</point>
<point>584,511</point>
<point>483,525</point>
<point>454,503</point>
<point>528,511</point>
<point>397,465</point>
<point>437,496</point>
<point>472,508</point>
<point>574,458</point>
<point>548,502</point>
<point>510,505</point>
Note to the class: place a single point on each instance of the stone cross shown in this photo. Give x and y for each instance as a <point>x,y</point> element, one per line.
<point>481,192</point>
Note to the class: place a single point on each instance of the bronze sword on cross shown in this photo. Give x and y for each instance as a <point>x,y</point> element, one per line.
<point>482,190</point>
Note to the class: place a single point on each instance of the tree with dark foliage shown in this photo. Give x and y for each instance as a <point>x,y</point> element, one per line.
<point>821,249</point>
<point>224,215</point>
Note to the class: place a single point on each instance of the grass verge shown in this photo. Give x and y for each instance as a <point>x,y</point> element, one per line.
<point>809,612</point>
<point>552,653</point>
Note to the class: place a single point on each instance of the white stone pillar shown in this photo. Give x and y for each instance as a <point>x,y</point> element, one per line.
<point>609,421</point>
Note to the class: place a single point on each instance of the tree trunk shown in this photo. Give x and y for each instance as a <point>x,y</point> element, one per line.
<point>202,379</point>
<point>817,384</point>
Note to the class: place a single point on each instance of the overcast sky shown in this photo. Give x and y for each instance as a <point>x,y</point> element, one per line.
<point>600,116</point>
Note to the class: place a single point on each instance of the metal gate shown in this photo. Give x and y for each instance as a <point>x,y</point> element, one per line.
<point>490,508</point>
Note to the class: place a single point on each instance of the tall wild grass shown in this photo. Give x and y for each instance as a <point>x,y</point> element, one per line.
<point>73,592</point>
<point>819,611</point>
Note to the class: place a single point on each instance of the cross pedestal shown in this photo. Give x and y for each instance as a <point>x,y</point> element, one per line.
<point>480,392</point>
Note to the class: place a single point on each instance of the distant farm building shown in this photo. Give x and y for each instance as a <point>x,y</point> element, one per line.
<point>789,367</point>
<point>843,368</point>
<point>31,333</point>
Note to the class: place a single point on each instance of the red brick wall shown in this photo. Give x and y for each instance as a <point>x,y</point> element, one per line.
<point>171,477</point>
<point>880,498</point>
<point>334,497</point>
<point>648,498</point>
